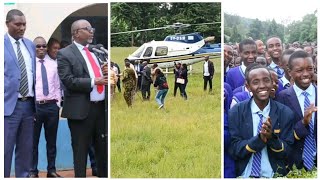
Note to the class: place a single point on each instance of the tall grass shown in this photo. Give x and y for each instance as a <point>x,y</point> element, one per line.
<point>182,140</point>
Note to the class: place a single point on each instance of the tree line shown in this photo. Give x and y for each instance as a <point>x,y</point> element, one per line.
<point>136,16</point>
<point>237,28</point>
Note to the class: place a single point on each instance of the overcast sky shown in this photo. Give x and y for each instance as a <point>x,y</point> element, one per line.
<point>282,11</point>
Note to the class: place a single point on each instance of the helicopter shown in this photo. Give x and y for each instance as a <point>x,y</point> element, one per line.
<point>179,48</point>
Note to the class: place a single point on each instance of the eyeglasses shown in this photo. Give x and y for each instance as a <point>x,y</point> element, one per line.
<point>89,29</point>
<point>39,46</point>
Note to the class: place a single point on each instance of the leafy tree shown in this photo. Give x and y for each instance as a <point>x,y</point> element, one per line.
<point>256,29</point>
<point>239,27</point>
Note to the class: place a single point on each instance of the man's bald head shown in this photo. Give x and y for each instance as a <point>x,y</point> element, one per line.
<point>77,24</point>
<point>41,47</point>
<point>82,32</point>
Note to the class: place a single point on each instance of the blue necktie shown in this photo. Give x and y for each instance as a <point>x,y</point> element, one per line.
<point>256,163</point>
<point>44,78</point>
<point>287,86</point>
<point>279,72</point>
<point>309,142</point>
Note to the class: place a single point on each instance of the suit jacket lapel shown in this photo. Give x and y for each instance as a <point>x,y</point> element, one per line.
<point>79,56</point>
<point>7,44</point>
<point>273,115</point>
<point>247,118</point>
<point>293,99</point>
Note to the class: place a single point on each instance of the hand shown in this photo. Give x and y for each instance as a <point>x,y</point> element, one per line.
<point>101,80</point>
<point>308,114</point>
<point>267,129</point>
<point>211,77</point>
<point>104,68</point>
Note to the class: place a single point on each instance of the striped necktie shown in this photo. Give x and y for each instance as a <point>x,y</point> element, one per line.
<point>279,72</point>
<point>256,163</point>
<point>309,142</point>
<point>24,78</point>
<point>287,86</point>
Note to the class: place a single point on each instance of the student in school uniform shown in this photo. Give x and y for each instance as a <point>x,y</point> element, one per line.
<point>302,99</point>
<point>248,52</point>
<point>285,80</point>
<point>229,169</point>
<point>261,129</point>
<point>274,48</point>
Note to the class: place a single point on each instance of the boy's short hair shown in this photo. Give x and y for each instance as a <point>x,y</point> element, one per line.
<point>246,42</point>
<point>296,55</point>
<point>287,52</point>
<point>252,67</point>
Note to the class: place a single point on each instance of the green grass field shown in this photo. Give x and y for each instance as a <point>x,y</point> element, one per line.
<point>182,140</point>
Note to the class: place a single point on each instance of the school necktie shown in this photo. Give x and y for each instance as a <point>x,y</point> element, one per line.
<point>44,77</point>
<point>287,86</point>
<point>309,142</point>
<point>256,163</point>
<point>24,78</point>
<point>279,72</point>
<point>95,68</point>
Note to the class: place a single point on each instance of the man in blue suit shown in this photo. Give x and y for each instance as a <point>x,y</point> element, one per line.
<point>302,99</point>
<point>19,105</point>
<point>260,129</point>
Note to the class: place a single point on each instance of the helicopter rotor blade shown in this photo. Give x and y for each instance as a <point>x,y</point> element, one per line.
<point>140,30</point>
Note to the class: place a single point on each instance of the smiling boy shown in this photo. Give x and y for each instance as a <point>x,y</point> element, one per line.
<point>302,98</point>
<point>260,129</point>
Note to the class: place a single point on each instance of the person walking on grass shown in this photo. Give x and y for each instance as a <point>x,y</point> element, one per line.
<point>129,82</point>
<point>162,85</point>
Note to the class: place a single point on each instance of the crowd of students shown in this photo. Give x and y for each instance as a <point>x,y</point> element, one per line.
<point>270,106</point>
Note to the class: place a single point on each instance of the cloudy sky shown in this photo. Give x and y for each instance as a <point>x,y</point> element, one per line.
<point>283,12</point>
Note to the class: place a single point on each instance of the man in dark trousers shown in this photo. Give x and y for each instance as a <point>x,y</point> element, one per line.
<point>84,98</point>
<point>176,71</point>
<point>19,106</point>
<point>145,81</point>
<point>261,129</point>
<point>48,98</point>
<point>208,72</point>
<point>301,97</point>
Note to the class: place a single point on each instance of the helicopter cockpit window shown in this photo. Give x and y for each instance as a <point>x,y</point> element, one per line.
<point>161,51</point>
<point>148,52</point>
<point>138,52</point>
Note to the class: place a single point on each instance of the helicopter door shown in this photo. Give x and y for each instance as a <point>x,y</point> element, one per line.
<point>148,52</point>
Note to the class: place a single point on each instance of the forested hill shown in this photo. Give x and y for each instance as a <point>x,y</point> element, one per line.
<point>237,28</point>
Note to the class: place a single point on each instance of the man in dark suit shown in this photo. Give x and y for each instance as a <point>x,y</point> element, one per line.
<point>260,129</point>
<point>19,107</point>
<point>145,81</point>
<point>208,72</point>
<point>84,98</point>
<point>302,99</point>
